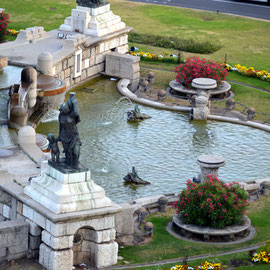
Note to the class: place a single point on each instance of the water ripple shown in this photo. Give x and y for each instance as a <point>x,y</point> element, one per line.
<point>164,149</point>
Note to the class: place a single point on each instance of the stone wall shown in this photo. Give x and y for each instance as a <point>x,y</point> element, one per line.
<point>12,209</point>
<point>91,57</point>
<point>13,239</point>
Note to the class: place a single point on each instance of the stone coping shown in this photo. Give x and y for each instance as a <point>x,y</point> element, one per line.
<point>122,87</point>
<point>228,230</point>
<point>211,161</point>
<point>17,192</point>
<point>178,87</point>
<point>252,234</point>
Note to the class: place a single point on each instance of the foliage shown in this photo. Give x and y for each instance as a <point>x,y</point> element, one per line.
<point>249,72</point>
<point>156,58</point>
<point>14,32</point>
<point>204,266</point>
<point>261,257</point>
<point>172,42</point>
<point>4,21</point>
<point>194,67</point>
<point>212,203</point>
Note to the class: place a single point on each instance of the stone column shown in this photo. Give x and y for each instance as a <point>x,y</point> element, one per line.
<point>209,165</point>
<point>203,85</point>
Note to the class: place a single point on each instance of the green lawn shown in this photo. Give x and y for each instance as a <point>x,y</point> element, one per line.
<point>245,41</point>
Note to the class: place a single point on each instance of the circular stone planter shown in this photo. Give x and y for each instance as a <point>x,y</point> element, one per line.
<point>207,234</point>
<point>221,92</point>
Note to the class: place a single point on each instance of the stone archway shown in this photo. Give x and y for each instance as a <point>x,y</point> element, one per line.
<point>94,248</point>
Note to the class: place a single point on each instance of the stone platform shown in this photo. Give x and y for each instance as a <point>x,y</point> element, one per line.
<point>65,192</point>
<point>97,21</point>
<point>229,233</point>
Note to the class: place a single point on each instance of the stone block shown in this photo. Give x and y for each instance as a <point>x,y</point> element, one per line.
<point>34,229</point>
<point>58,68</point>
<point>13,210</point>
<point>3,252</point>
<point>5,198</point>
<point>105,254</point>
<point>84,74</point>
<point>71,61</point>
<point>98,236</point>
<point>39,219</point>
<point>99,58</point>
<point>6,211</point>
<point>1,209</point>
<point>64,64</point>
<point>86,63</point>
<point>2,218</point>
<point>34,242</point>
<point>20,217</point>
<point>86,53</point>
<point>19,207</point>
<point>34,254</point>
<point>67,73</point>
<point>55,260</point>
<point>57,242</point>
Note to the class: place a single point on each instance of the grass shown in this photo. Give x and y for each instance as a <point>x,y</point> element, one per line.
<point>164,246</point>
<point>245,41</point>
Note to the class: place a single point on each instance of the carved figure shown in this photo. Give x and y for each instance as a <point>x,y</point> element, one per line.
<point>68,132</point>
<point>53,145</point>
<point>90,3</point>
<point>136,115</point>
<point>132,177</point>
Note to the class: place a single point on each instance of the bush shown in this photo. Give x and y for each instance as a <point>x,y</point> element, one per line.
<point>212,203</point>
<point>200,68</point>
<point>4,20</point>
<point>186,45</point>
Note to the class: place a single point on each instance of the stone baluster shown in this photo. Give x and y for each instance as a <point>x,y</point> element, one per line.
<point>202,105</point>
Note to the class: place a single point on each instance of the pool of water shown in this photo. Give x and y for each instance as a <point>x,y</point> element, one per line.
<point>10,75</point>
<point>164,148</point>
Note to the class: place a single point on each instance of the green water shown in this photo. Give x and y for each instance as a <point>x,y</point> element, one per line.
<point>164,148</point>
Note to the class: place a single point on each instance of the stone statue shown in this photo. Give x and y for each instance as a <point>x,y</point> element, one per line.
<point>90,3</point>
<point>132,177</point>
<point>53,145</point>
<point>68,132</point>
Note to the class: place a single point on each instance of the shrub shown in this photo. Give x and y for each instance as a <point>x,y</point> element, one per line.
<point>186,45</point>
<point>4,20</point>
<point>212,203</point>
<point>195,67</point>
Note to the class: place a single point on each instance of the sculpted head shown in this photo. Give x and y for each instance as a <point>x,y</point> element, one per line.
<point>64,108</point>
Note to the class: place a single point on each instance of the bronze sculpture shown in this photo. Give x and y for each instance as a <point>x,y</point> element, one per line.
<point>90,3</point>
<point>68,135</point>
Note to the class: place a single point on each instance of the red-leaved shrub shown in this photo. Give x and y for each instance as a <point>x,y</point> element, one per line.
<point>212,203</point>
<point>4,20</point>
<point>195,67</point>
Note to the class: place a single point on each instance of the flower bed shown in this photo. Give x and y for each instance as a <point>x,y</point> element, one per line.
<point>212,203</point>
<point>249,72</point>
<point>204,266</point>
<point>194,67</point>
<point>4,21</point>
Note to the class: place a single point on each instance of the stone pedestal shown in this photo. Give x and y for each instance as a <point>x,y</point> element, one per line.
<point>202,103</point>
<point>209,165</point>
<point>63,192</point>
<point>78,220</point>
<point>98,21</point>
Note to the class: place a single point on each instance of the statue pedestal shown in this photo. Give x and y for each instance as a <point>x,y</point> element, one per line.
<point>97,21</point>
<point>66,191</point>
